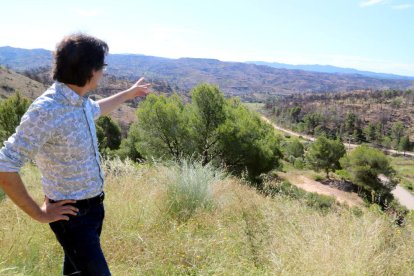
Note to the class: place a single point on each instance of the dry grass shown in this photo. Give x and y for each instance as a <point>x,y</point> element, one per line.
<point>243,234</point>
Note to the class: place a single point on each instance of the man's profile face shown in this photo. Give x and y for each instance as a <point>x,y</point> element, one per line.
<point>96,77</point>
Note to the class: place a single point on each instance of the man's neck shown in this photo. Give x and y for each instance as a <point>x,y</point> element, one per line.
<point>80,90</point>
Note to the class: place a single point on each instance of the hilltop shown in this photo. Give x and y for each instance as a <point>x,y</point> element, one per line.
<point>249,81</point>
<point>239,232</point>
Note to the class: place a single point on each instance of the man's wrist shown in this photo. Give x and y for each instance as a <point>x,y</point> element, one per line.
<point>128,94</point>
<point>38,214</point>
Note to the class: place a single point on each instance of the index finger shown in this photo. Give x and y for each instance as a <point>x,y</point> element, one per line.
<point>140,80</point>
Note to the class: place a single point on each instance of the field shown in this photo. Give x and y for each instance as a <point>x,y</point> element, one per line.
<point>236,231</point>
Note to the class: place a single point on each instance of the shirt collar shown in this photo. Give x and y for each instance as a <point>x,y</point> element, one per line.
<point>71,96</point>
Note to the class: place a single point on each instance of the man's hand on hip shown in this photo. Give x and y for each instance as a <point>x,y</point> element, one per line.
<point>51,212</point>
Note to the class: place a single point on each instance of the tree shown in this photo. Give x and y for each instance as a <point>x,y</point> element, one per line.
<point>350,123</point>
<point>162,130</point>
<point>207,114</point>
<point>128,147</point>
<point>108,133</point>
<point>295,148</point>
<point>397,132</point>
<point>311,121</point>
<point>370,133</point>
<point>367,166</point>
<point>379,133</point>
<point>247,143</point>
<point>405,144</point>
<point>294,113</point>
<point>212,129</point>
<point>324,154</point>
<point>386,142</point>
<point>12,110</point>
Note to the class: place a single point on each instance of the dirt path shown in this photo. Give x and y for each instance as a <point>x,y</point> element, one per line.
<point>403,196</point>
<point>310,185</point>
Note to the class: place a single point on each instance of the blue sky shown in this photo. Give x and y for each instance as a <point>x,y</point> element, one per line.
<point>374,35</point>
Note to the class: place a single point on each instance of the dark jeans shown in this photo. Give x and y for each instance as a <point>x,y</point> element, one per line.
<point>79,238</point>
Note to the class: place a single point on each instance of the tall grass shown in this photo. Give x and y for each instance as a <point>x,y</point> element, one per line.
<point>244,234</point>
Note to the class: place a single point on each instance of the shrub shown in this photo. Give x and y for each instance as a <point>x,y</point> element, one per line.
<point>11,111</point>
<point>318,177</point>
<point>318,201</point>
<point>299,164</point>
<point>343,174</point>
<point>295,148</point>
<point>190,189</point>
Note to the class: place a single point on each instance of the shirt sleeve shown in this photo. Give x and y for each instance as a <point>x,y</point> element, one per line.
<point>35,129</point>
<point>96,109</point>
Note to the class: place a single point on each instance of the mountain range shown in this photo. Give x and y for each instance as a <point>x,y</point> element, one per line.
<point>331,69</point>
<point>233,78</point>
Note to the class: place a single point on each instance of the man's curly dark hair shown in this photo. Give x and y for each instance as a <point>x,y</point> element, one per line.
<point>76,57</point>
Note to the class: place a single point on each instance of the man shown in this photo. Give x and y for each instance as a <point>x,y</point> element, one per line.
<point>58,132</point>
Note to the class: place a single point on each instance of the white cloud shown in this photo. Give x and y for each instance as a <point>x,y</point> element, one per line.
<point>402,6</point>
<point>371,3</point>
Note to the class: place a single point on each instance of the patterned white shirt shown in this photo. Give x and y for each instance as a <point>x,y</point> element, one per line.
<point>58,133</point>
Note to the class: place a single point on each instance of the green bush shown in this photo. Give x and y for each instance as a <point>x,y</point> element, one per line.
<point>295,148</point>
<point>285,188</point>
<point>12,110</point>
<point>371,169</point>
<point>321,202</point>
<point>318,177</point>
<point>190,189</point>
<point>343,174</point>
<point>314,200</point>
<point>299,164</point>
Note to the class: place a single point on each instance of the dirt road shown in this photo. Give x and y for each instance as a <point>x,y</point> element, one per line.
<point>404,197</point>
<point>310,185</point>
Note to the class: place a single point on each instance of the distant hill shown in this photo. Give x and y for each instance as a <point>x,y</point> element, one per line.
<point>234,78</point>
<point>22,59</point>
<point>330,69</point>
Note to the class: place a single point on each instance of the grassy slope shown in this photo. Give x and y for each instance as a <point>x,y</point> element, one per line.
<point>11,81</point>
<point>245,233</point>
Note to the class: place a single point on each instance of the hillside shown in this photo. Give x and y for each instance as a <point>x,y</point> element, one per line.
<point>249,81</point>
<point>10,82</point>
<point>375,109</point>
<point>240,232</point>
